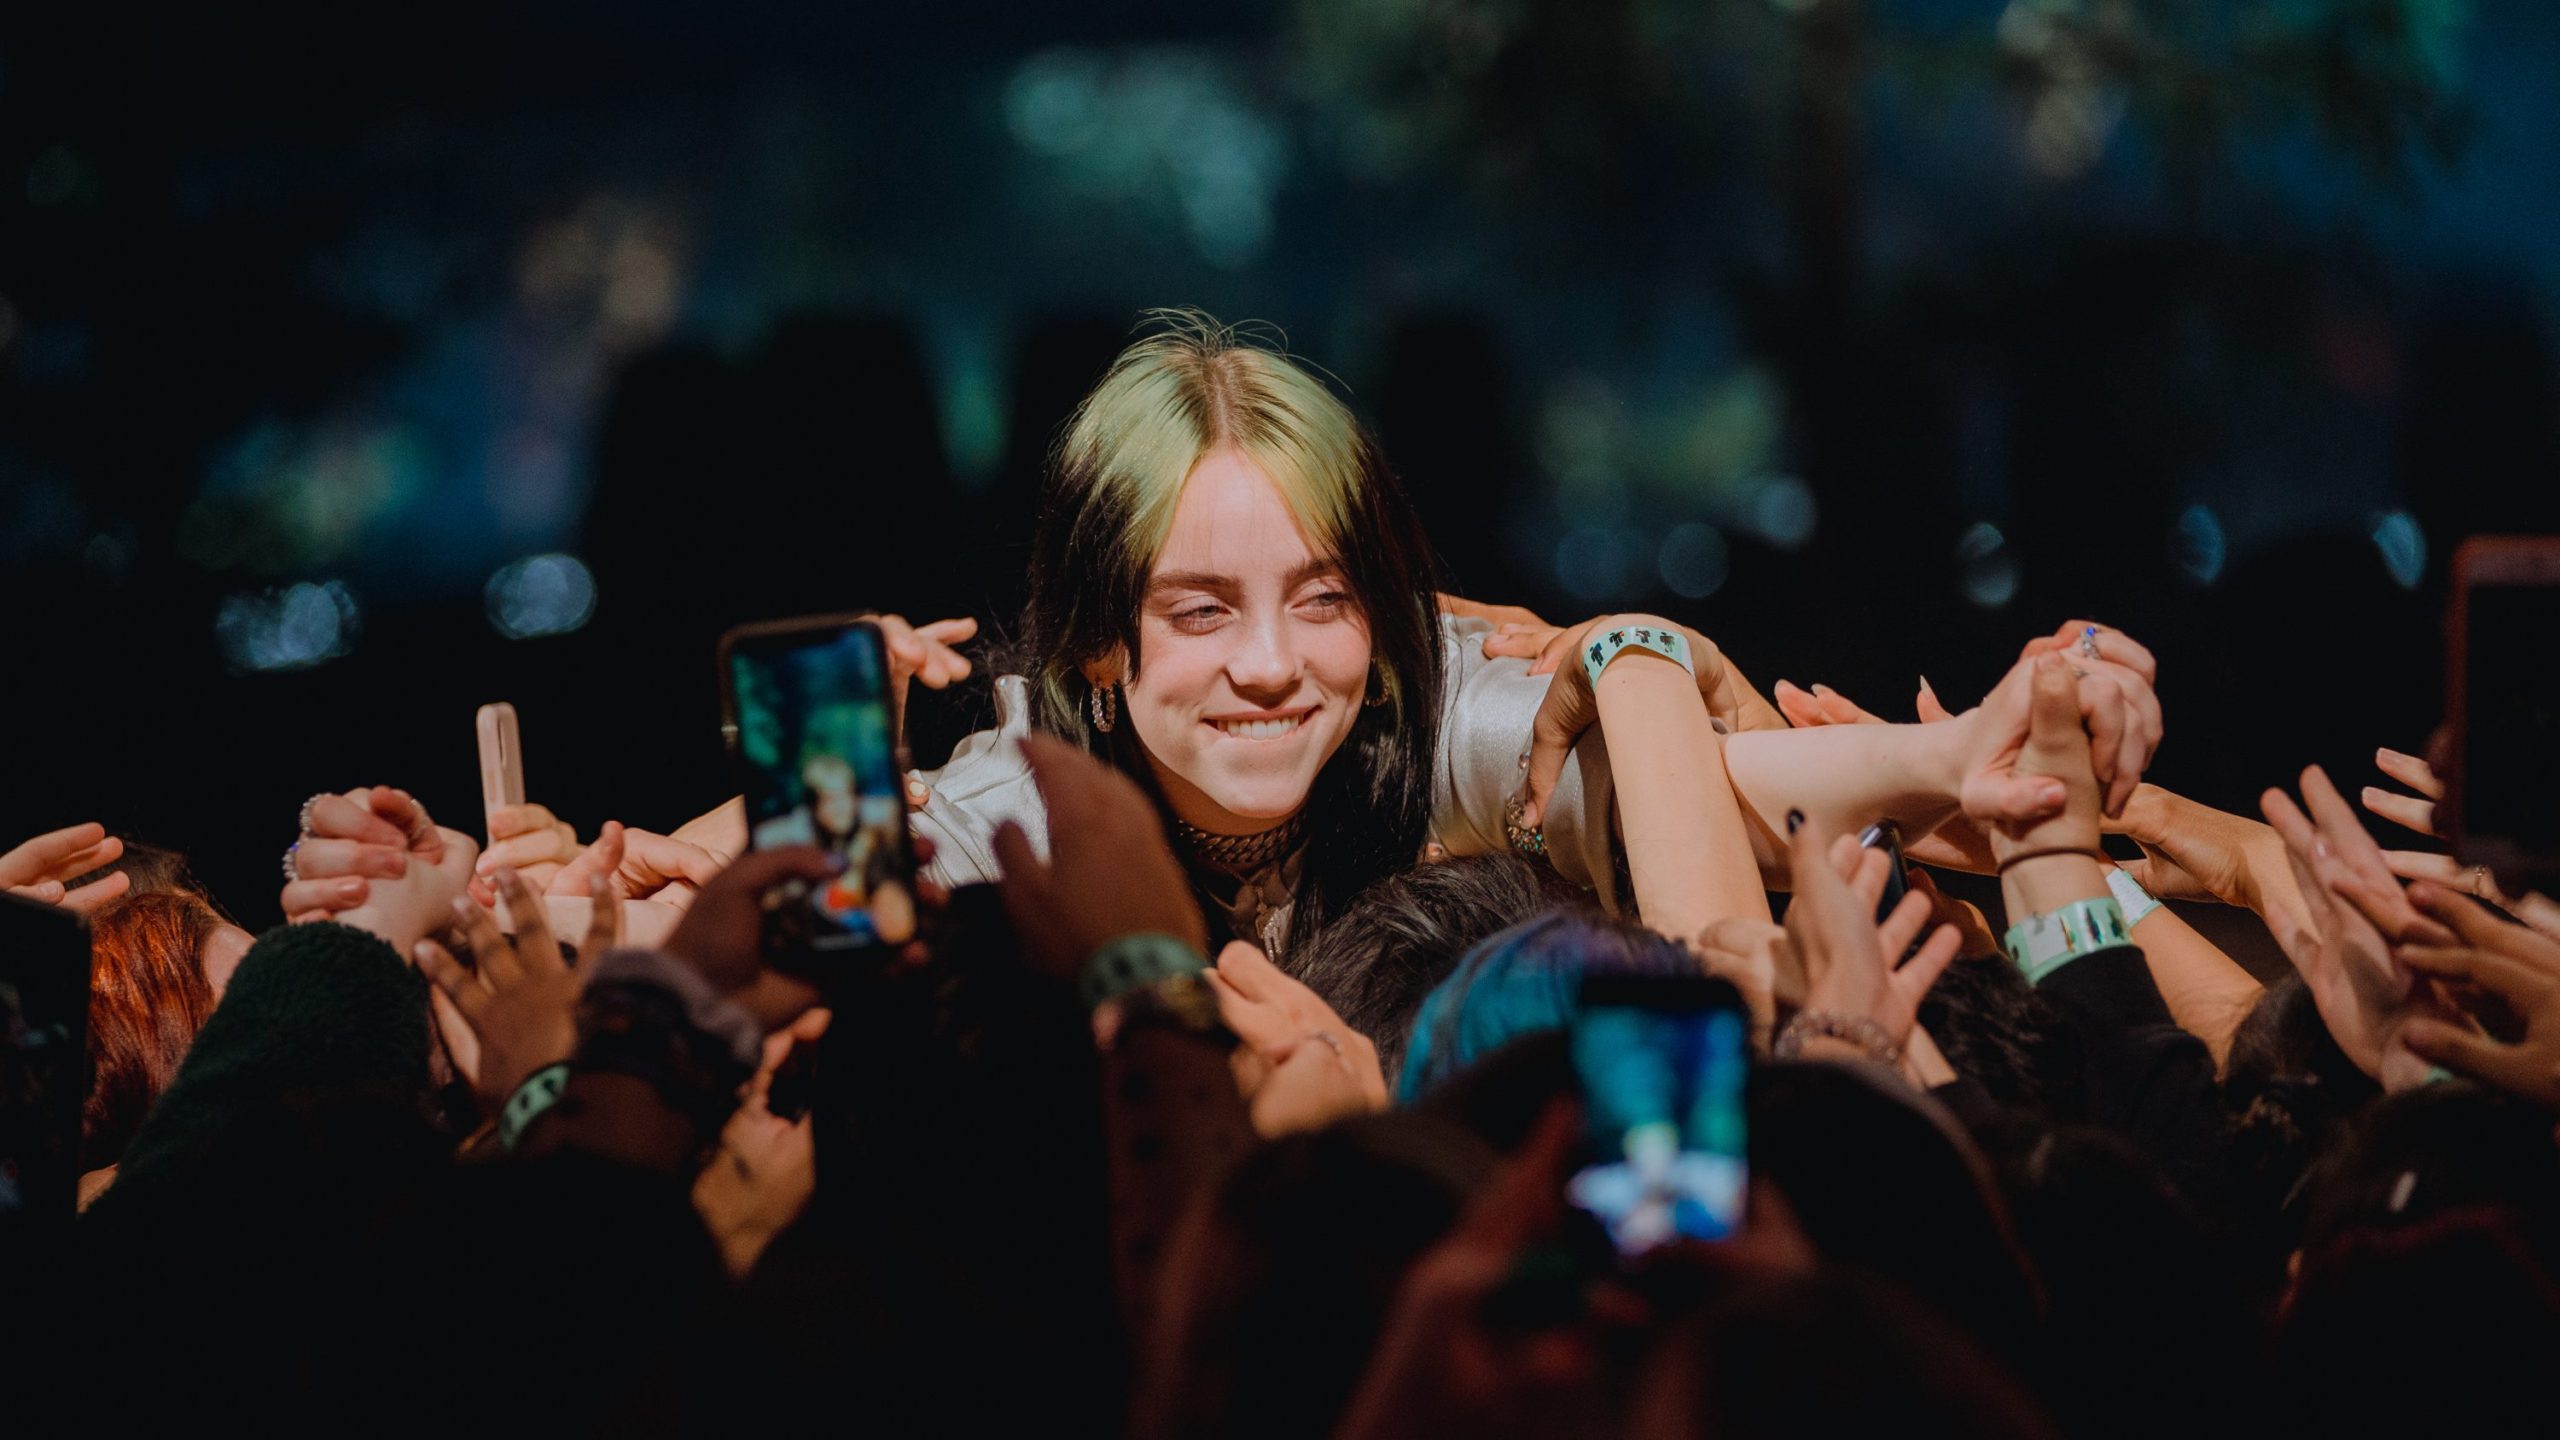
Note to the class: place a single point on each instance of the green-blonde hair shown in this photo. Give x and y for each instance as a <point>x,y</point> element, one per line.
<point>1190,386</point>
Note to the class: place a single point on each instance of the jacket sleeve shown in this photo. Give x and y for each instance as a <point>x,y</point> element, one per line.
<point>313,1010</point>
<point>2147,1079</point>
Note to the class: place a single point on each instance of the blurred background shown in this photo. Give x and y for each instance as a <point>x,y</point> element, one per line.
<point>357,368</point>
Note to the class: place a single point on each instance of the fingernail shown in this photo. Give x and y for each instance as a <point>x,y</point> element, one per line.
<point>2052,794</point>
<point>2387,753</point>
<point>350,889</point>
<point>1795,820</point>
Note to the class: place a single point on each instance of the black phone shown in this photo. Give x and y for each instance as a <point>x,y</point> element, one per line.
<point>44,1071</point>
<point>1885,835</point>
<point>813,727</point>
<point>2502,702</point>
<point>1662,1060</point>
<point>790,1092</point>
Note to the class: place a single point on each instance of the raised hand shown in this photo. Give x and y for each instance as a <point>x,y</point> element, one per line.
<point>2357,913</point>
<point>514,1009</point>
<point>406,908</point>
<point>639,865</point>
<point>348,841</point>
<point>1301,1068</point>
<point>2192,851</point>
<point>1756,958</point>
<point>1110,871</point>
<point>531,841</point>
<point>2418,812</point>
<point>722,934</point>
<point>924,653</point>
<point>2415,812</point>
<point>766,1168</point>
<point>2520,968</point>
<point>1849,973</point>
<point>43,868</point>
<point>2113,675</point>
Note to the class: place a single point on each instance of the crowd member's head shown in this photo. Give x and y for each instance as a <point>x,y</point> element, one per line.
<point>2426,1294</point>
<point>1232,599</point>
<point>1996,1031</point>
<point>1830,1352</point>
<point>2292,1092</point>
<point>153,870</point>
<point>1404,935</point>
<point>1524,981</point>
<point>1274,1291</point>
<point>160,959</point>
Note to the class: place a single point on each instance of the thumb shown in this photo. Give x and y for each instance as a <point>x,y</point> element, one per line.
<point>1560,720</point>
<point>1247,969</point>
<point>2012,799</point>
<point>2053,721</point>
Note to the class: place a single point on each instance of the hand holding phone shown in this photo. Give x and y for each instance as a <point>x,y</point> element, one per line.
<point>812,724</point>
<point>1662,1060</point>
<point>2502,699</point>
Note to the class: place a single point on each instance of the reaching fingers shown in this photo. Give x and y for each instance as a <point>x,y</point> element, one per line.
<point>453,979</point>
<point>1903,926</point>
<point>1868,876</point>
<point>535,948</point>
<point>1922,970</point>
<point>2507,1067</point>
<point>322,859</point>
<point>318,899</point>
<point>2513,979</point>
<point>2482,930</point>
<point>1518,642</point>
<point>88,899</point>
<point>493,959</point>
<point>508,821</point>
<point>600,860</point>
<point>2410,812</point>
<point>604,928</point>
<point>402,809</point>
<point>2411,771</point>
<point>341,818</point>
<point>1929,707</point>
<point>1251,972</point>
<point>1567,711</point>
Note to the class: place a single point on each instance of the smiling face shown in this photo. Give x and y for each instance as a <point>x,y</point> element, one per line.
<point>1253,655</point>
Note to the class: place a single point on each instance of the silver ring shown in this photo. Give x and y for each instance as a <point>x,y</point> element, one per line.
<point>305,819</point>
<point>2089,642</point>
<point>292,863</point>
<point>2480,882</point>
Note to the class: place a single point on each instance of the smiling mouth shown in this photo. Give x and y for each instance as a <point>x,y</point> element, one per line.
<point>1261,728</point>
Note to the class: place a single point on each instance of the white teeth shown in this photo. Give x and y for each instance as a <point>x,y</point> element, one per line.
<point>1259,729</point>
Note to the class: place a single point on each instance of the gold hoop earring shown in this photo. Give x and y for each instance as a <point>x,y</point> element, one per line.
<point>1105,707</point>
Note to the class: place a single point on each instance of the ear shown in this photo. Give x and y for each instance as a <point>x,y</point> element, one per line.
<point>1109,670</point>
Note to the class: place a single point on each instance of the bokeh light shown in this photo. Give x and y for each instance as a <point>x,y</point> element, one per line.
<point>1694,560</point>
<point>1986,568</point>
<point>291,629</point>
<point>2197,546</point>
<point>1783,512</point>
<point>1596,564</point>
<point>2403,546</point>
<point>540,595</point>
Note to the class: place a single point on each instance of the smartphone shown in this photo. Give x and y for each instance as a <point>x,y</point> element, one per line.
<point>501,758</point>
<point>812,726</point>
<point>44,1073</point>
<point>1885,835</point>
<point>2502,706</point>
<point>793,1087</point>
<point>1662,1061</point>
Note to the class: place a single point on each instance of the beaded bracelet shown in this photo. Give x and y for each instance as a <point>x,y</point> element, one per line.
<point>1856,1030</point>
<point>1662,640</point>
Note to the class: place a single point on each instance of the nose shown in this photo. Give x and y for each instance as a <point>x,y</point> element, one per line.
<point>1264,664</point>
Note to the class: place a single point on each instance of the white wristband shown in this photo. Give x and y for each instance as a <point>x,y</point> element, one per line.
<point>2136,902</point>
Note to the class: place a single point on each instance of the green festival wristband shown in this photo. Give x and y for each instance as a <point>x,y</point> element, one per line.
<point>2042,944</point>
<point>1664,641</point>
<point>540,1091</point>
<point>1134,962</point>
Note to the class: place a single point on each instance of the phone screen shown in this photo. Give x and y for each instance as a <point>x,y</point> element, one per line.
<point>44,1078</point>
<point>2511,718</point>
<point>1885,835</point>
<point>1662,1061</point>
<point>817,746</point>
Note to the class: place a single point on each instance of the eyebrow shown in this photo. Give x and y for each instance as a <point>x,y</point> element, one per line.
<point>1223,584</point>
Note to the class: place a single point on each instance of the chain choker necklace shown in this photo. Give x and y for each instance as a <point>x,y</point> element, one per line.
<point>1242,853</point>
